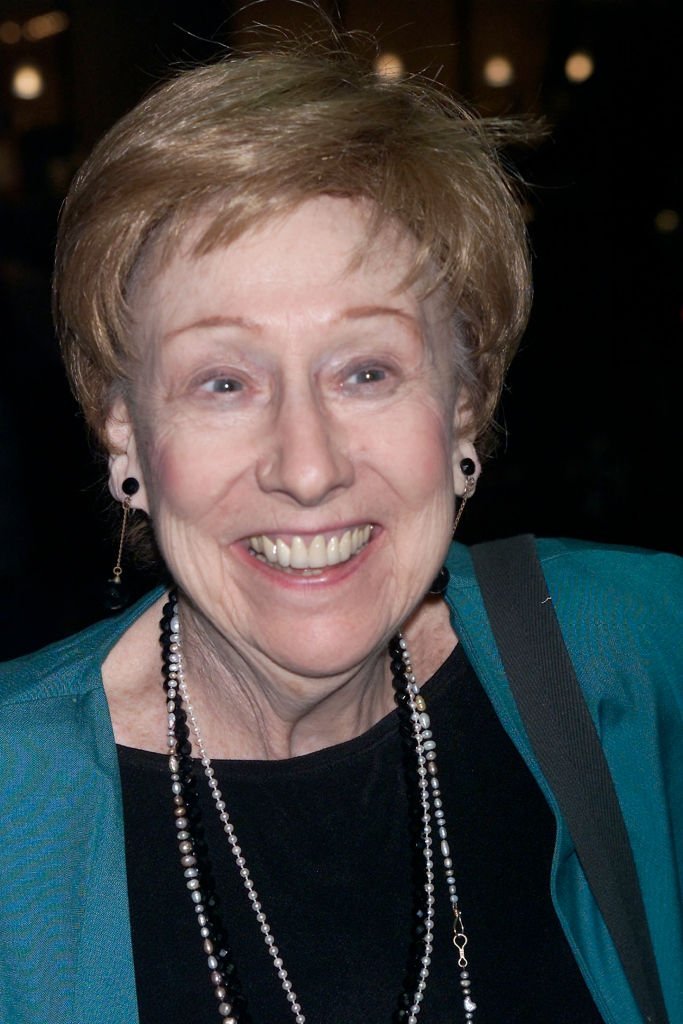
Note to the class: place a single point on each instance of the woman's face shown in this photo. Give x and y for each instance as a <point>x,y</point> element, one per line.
<point>293,424</point>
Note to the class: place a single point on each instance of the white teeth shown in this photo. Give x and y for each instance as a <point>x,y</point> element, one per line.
<point>283,553</point>
<point>316,555</point>
<point>299,559</point>
<point>269,548</point>
<point>333,551</point>
<point>345,547</point>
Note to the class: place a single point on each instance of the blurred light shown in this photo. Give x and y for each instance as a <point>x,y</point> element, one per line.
<point>667,221</point>
<point>498,72</point>
<point>579,66</point>
<point>45,25</point>
<point>10,32</point>
<point>388,65</point>
<point>28,82</point>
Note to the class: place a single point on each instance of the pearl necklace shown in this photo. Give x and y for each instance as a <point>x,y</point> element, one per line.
<point>414,721</point>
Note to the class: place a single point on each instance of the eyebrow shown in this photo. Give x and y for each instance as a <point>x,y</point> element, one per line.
<point>355,313</point>
<point>367,312</point>
<point>207,322</point>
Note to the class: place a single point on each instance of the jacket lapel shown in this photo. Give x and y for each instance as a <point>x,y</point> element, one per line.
<point>64,931</point>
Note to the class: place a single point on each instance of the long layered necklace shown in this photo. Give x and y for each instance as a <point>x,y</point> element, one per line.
<point>415,728</point>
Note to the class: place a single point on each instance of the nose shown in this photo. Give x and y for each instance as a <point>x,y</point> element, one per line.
<point>305,458</point>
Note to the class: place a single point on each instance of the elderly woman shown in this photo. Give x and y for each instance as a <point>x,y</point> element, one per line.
<point>287,293</point>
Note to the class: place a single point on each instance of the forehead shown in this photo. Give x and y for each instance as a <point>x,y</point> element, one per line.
<point>324,250</point>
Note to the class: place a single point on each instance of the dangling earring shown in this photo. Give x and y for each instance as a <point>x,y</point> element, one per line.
<point>115,597</point>
<point>443,576</point>
<point>468,470</point>
<point>440,583</point>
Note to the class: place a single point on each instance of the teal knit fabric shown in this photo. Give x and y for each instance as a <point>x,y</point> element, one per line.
<point>65,950</point>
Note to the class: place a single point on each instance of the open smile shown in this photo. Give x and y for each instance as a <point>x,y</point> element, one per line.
<point>318,552</point>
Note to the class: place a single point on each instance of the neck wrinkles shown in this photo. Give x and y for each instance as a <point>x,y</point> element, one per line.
<point>248,708</point>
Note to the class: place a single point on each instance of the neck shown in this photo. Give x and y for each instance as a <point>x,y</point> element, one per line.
<point>246,709</point>
<point>251,710</point>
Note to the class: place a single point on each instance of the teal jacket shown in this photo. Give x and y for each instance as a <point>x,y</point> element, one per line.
<point>65,948</point>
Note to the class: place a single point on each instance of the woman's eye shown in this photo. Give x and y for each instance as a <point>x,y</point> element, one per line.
<point>368,375</point>
<point>222,385</point>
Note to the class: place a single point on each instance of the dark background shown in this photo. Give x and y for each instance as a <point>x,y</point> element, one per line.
<point>591,439</point>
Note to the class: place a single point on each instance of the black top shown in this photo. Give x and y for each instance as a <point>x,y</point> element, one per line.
<point>326,838</point>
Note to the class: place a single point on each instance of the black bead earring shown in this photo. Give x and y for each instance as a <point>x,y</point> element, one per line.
<point>130,486</point>
<point>468,469</point>
<point>440,583</point>
<point>115,596</point>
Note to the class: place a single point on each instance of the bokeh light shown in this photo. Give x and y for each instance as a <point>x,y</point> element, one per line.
<point>388,65</point>
<point>10,32</point>
<point>45,25</point>
<point>667,221</point>
<point>28,82</point>
<point>498,72</point>
<point>579,66</point>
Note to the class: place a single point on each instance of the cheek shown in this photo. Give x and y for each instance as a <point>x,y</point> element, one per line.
<point>188,478</point>
<point>418,456</point>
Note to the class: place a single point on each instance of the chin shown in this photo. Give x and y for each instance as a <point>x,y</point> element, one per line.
<point>322,649</point>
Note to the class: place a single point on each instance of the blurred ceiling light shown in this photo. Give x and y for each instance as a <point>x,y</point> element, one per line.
<point>498,72</point>
<point>667,221</point>
<point>27,82</point>
<point>10,32</point>
<point>579,66</point>
<point>45,25</point>
<point>388,65</point>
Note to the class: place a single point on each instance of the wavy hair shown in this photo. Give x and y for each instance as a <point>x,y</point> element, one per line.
<point>247,138</point>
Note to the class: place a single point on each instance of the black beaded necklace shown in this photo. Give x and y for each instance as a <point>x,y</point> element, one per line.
<point>419,759</point>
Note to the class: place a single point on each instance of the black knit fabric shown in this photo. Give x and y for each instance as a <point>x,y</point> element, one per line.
<point>326,838</point>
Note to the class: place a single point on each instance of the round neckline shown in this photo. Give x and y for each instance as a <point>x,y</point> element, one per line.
<point>329,757</point>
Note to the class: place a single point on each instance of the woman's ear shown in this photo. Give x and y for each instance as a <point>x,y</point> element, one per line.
<point>124,460</point>
<point>463,446</point>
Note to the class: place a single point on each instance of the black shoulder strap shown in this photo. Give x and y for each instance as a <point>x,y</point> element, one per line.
<point>566,744</point>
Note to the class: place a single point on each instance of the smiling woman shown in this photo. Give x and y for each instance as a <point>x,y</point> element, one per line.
<point>287,292</point>
<point>340,420</point>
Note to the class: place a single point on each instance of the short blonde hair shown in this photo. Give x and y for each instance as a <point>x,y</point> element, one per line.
<point>252,137</point>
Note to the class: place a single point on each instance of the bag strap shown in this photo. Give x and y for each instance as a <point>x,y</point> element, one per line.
<point>566,744</point>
